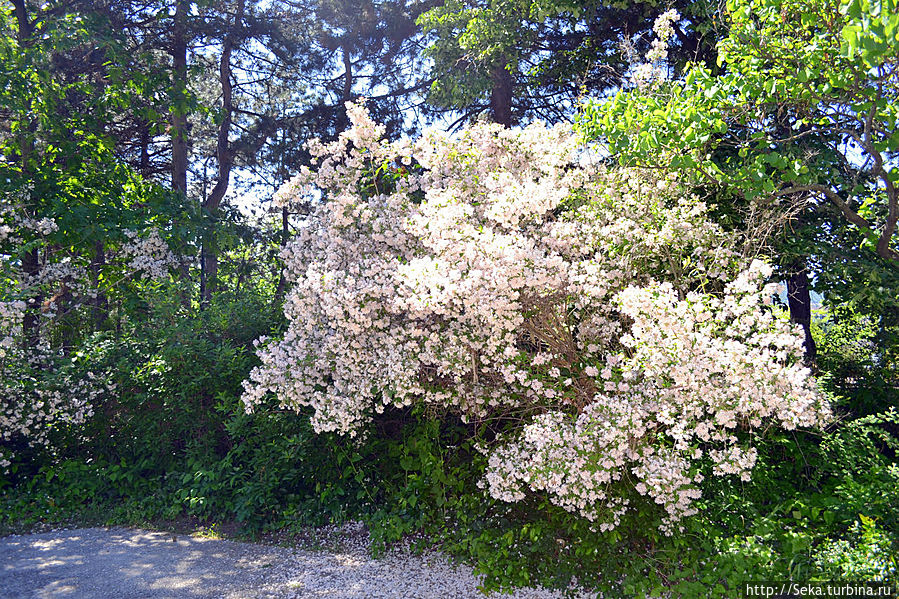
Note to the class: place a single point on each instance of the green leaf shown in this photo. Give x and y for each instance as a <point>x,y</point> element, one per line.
<point>850,34</point>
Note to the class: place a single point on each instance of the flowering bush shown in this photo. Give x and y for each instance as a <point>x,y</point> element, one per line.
<point>692,373</point>
<point>654,67</point>
<point>29,411</point>
<point>148,255</point>
<point>43,396</point>
<point>587,312</point>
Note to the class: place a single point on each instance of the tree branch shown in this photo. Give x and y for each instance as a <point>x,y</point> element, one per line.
<point>883,245</point>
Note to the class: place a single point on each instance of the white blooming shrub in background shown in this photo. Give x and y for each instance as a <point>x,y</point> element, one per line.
<point>148,254</point>
<point>44,396</point>
<point>654,67</point>
<point>43,399</point>
<point>598,314</point>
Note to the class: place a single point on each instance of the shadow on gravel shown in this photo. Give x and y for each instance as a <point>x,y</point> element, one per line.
<point>120,563</point>
<point>97,563</point>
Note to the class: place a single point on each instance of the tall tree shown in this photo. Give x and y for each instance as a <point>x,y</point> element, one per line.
<point>65,197</point>
<point>178,44</point>
<point>24,143</point>
<point>374,51</point>
<point>522,59</point>
<point>803,117</point>
<point>224,155</point>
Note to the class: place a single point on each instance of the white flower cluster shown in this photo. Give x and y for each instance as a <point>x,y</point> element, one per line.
<point>505,277</point>
<point>55,277</point>
<point>653,68</point>
<point>12,223</point>
<point>7,231</point>
<point>148,253</point>
<point>44,226</point>
<point>54,268</point>
<point>11,315</point>
<point>693,374</point>
<point>38,399</point>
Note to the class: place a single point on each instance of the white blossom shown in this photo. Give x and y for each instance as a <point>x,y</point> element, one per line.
<point>508,278</point>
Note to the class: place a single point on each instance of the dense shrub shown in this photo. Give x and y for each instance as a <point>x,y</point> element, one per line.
<point>595,318</point>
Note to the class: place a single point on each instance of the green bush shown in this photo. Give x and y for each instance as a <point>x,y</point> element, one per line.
<point>869,555</point>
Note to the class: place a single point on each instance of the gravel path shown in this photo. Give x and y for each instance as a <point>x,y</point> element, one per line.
<point>122,563</point>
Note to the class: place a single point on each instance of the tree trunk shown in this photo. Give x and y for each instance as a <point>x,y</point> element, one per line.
<point>22,21</point>
<point>225,160</point>
<point>347,73</point>
<point>178,125</point>
<point>31,260</point>
<point>145,150</point>
<point>800,302</point>
<point>178,122</point>
<point>342,122</point>
<point>501,96</point>
<point>798,296</point>
<point>65,320</point>
<point>100,302</point>
<point>31,322</point>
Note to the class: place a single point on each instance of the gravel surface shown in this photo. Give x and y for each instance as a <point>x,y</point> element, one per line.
<point>123,563</point>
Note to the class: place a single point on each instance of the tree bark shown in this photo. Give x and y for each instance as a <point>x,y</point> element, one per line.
<point>224,157</point>
<point>800,302</point>
<point>343,121</point>
<point>501,96</point>
<point>144,150</point>
<point>100,302</point>
<point>347,73</point>
<point>285,234</point>
<point>178,124</point>
<point>31,320</point>
<point>22,21</point>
